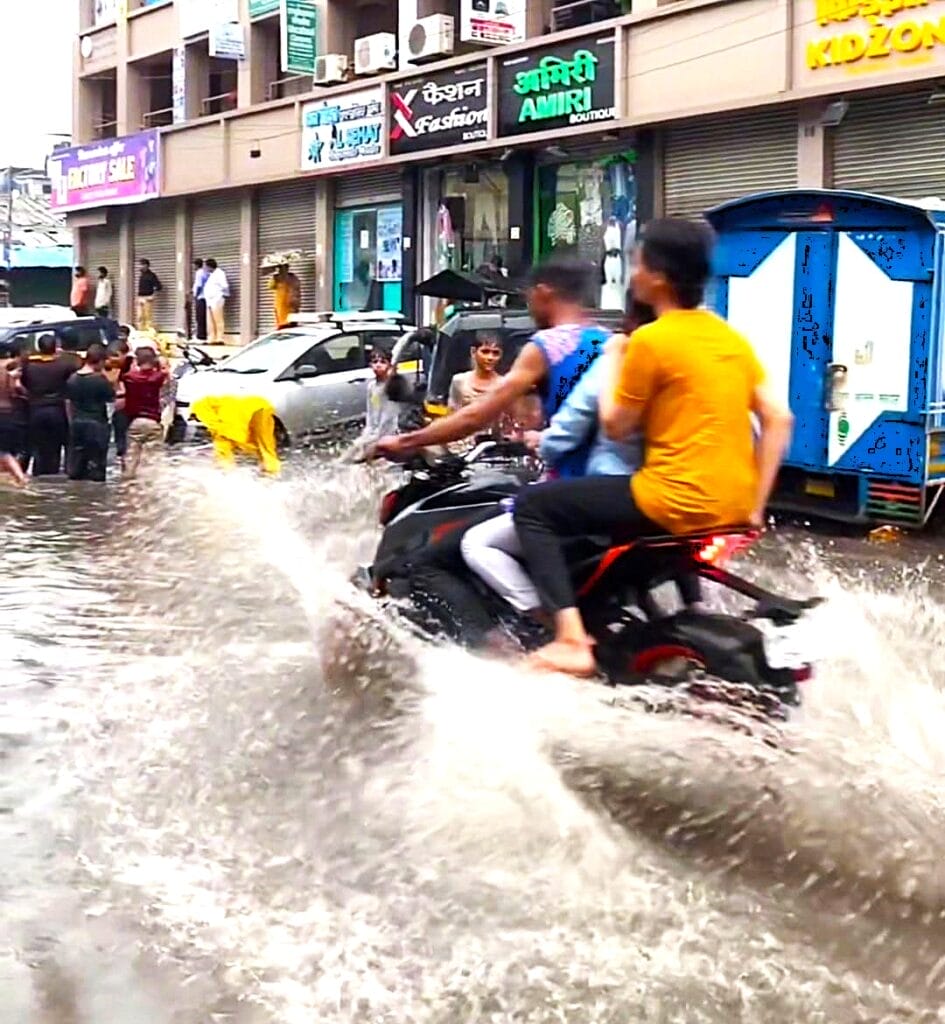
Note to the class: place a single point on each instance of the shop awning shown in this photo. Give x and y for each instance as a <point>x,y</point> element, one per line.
<point>462,286</point>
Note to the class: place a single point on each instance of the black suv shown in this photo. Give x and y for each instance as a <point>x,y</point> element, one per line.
<point>513,327</point>
<point>81,331</point>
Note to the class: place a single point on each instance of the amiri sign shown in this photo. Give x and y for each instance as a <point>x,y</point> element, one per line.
<point>880,34</point>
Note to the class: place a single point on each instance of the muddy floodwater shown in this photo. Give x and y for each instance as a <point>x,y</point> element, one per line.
<point>230,792</point>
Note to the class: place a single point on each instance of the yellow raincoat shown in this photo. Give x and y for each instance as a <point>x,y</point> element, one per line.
<point>240,423</point>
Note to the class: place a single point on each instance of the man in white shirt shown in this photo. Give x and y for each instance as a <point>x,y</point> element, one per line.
<point>216,291</point>
<point>103,293</point>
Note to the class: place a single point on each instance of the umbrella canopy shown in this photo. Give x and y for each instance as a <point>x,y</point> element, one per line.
<point>463,286</point>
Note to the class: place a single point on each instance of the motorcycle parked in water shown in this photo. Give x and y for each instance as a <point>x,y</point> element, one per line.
<point>419,569</point>
<point>193,359</point>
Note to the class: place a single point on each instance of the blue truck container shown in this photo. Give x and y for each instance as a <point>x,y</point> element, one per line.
<point>841,294</point>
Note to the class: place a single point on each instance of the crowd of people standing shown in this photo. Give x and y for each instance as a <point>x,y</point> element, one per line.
<point>205,305</point>
<point>60,411</point>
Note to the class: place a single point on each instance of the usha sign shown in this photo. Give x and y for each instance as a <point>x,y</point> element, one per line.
<point>879,33</point>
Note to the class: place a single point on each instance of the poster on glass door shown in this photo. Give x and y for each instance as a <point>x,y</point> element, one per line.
<point>389,243</point>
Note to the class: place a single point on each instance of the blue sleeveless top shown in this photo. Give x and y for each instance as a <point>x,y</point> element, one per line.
<point>568,350</point>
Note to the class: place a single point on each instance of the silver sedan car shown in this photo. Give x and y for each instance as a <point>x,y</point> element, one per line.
<point>314,374</point>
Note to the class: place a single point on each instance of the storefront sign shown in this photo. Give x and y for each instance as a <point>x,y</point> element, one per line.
<point>111,173</point>
<point>343,130</point>
<point>227,40</point>
<point>866,36</point>
<point>492,21</point>
<point>444,108</point>
<point>257,8</point>
<point>299,25</point>
<point>179,84</point>
<point>196,16</point>
<point>557,87</point>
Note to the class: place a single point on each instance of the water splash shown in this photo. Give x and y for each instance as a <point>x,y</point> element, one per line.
<point>495,846</point>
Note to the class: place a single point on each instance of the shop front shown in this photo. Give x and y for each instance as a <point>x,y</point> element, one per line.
<point>115,172</point>
<point>881,141</point>
<point>341,133</point>
<point>461,213</point>
<point>716,159</point>
<point>584,189</point>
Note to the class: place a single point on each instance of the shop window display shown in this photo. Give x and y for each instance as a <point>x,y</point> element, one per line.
<point>588,209</point>
<point>368,259</point>
<point>472,220</point>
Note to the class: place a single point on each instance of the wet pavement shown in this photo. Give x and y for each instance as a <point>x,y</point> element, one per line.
<point>204,815</point>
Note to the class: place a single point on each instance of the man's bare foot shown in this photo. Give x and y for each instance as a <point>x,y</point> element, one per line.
<point>570,657</point>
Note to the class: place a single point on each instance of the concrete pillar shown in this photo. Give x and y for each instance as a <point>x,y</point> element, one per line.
<point>324,242</point>
<point>134,98</point>
<point>184,277</point>
<point>338,26</point>
<point>407,14</point>
<point>249,264</point>
<point>813,169</point>
<point>252,76</point>
<point>127,81</point>
<point>125,285</point>
<point>197,77</point>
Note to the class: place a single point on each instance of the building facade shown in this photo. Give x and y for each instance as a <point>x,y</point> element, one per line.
<point>191,139</point>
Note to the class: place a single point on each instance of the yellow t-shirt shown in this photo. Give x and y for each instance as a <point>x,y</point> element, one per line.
<point>695,378</point>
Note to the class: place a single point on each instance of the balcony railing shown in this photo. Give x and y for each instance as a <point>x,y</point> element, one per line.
<point>217,104</point>
<point>105,129</point>
<point>158,118</point>
<point>294,85</point>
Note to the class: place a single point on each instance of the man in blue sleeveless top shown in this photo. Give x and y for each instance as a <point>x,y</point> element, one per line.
<point>562,348</point>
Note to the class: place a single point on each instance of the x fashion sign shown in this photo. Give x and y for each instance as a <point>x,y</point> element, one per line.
<point>446,108</point>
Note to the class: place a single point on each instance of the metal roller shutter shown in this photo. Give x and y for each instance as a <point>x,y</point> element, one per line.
<point>102,250</point>
<point>215,232</point>
<point>365,188</point>
<point>721,158</point>
<point>286,221</point>
<point>155,238</point>
<point>893,145</point>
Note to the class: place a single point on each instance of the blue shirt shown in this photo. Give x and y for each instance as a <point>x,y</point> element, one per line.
<point>569,350</point>
<point>576,427</point>
<point>200,279</point>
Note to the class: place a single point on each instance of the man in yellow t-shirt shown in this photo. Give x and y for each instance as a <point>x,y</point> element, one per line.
<point>690,383</point>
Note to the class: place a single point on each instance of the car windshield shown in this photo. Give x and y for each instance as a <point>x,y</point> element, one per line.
<point>262,355</point>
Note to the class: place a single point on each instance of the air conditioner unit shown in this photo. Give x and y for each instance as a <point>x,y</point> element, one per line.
<point>330,68</point>
<point>431,37</point>
<point>375,53</point>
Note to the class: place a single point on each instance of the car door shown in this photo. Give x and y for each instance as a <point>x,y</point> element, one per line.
<point>330,381</point>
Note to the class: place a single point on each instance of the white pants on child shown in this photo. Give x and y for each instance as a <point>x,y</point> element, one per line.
<point>492,551</point>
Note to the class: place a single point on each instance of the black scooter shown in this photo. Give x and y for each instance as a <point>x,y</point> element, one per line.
<point>419,569</point>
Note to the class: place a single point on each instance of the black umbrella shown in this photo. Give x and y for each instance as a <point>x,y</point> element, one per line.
<point>463,286</point>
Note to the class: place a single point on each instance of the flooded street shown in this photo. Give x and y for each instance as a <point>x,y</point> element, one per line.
<point>229,793</point>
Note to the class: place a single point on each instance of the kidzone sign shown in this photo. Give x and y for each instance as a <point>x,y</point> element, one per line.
<point>871,36</point>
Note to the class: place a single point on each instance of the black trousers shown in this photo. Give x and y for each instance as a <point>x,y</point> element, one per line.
<point>88,449</point>
<point>200,310</point>
<point>548,514</point>
<point>48,434</point>
<point>120,428</point>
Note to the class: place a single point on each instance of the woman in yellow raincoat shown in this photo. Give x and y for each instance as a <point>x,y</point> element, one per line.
<point>240,423</point>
